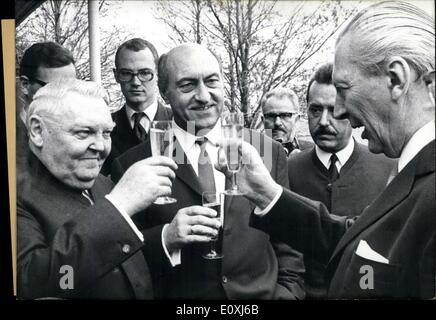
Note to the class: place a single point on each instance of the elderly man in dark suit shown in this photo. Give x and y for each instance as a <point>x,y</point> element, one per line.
<point>381,72</point>
<point>41,63</point>
<point>136,72</point>
<point>254,266</point>
<point>75,235</point>
<point>337,171</point>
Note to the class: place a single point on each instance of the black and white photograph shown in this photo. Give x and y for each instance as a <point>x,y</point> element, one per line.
<point>223,150</point>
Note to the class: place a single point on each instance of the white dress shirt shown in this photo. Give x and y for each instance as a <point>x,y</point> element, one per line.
<point>343,155</point>
<point>418,141</point>
<point>150,112</point>
<point>192,150</point>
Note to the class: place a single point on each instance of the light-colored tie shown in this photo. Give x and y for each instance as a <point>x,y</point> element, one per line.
<point>205,168</point>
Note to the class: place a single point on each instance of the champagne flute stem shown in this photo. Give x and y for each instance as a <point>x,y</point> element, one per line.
<point>234,184</point>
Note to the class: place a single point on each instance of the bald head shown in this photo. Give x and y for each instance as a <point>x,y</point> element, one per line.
<point>168,60</point>
<point>190,80</point>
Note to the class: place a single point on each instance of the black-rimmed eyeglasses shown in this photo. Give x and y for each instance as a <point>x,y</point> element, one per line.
<point>143,75</point>
<point>271,116</point>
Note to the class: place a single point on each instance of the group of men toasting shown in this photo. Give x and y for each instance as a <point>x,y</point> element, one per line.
<point>307,220</point>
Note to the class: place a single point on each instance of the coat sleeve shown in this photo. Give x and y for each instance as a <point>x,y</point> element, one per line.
<point>90,244</point>
<point>290,280</point>
<point>304,224</point>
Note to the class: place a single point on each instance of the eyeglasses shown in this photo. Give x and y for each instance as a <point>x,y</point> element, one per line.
<point>40,82</point>
<point>143,75</point>
<point>271,116</point>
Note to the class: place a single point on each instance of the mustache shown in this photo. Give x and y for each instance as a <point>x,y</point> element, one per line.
<point>324,130</point>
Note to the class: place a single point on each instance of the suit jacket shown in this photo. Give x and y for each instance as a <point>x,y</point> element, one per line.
<point>123,137</point>
<point>57,226</point>
<point>362,179</point>
<point>400,225</point>
<point>253,267</point>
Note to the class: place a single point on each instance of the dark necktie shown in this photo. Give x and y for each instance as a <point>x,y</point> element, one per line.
<point>333,170</point>
<point>205,169</point>
<point>290,146</point>
<point>139,131</point>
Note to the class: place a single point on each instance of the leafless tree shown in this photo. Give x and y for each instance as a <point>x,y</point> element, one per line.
<point>66,22</point>
<point>261,46</point>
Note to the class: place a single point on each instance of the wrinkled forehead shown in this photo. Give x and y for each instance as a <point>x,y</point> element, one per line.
<point>76,108</point>
<point>281,103</point>
<point>192,62</point>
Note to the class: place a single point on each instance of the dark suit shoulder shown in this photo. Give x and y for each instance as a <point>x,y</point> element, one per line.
<point>134,154</point>
<point>300,159</point>
<point>104,182</point>
<point>379,160</point>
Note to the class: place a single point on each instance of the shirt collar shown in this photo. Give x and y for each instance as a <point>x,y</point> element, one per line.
<point>150,112</point>
<point>187,139</point>
<point>418,141</point>
<point>343,154</point>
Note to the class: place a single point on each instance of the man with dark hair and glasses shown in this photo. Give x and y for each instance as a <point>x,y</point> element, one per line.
<point>41,63</point>
<point>136,72</point>
<point>281,116</point>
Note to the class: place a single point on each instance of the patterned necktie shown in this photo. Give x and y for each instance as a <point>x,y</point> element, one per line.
<point>205,169</point>
<point>88,196</point>
<point>333,170</point>
<point>138,129</point>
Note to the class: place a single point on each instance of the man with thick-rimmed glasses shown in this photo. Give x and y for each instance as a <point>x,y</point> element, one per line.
<point>136,72</point>
<point>281,116</point>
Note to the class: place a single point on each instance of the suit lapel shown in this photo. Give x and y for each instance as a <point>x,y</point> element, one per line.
<point>394,193</point>
<point>124,137</point>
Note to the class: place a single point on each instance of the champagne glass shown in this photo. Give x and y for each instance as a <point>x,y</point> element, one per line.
<point>232,124</point>
<point>214,200</point>
<point>161,140</point>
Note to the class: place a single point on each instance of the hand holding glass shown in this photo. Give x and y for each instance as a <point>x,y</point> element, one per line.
<point>214,200</point>
<point>161,141</point>
<point>232,124</point>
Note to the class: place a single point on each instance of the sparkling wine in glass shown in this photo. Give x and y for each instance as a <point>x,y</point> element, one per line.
<point>214,200</point>
<point>232,125</point>
<point>161,141</point>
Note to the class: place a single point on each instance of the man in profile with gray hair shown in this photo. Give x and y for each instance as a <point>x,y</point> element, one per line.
<point>383,73</point>
<point>281,115</point>
<point>76,238</point>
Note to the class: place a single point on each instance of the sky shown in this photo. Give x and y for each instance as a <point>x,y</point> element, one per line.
<point>138,17</point>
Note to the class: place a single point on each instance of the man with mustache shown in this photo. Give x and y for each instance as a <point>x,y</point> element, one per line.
<point>136,72</point>
<point>281,116</point>
<point>345,185</point>
<point>254,265</point>
<point>384,78</point>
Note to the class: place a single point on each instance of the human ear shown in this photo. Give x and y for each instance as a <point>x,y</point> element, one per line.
<point>36,127</point>
<point>165,98</point>
<point>429,80</point>
<point>399,74</point>
<point>115,75</point>
<point>25,84</point>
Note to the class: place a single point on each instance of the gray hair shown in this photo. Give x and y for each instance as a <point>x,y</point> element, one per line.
<point>49,100</point>
<point>280,93</point>
<point>388,29</point>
